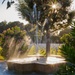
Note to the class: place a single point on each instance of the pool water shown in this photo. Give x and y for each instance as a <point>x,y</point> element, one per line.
<point>4,71</point>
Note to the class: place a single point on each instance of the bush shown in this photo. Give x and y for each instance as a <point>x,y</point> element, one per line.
<point>10,39</point>
<point>0,50</point>
<point>68,52</point>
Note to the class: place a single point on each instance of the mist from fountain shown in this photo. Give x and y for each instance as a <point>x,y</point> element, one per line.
<point>21,62</point>
<point>17,55</point>
<point>17,48</point>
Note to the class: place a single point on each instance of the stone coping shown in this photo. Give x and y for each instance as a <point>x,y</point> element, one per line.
<point>39,65</point>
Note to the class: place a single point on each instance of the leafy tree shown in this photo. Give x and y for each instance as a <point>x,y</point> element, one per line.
<point>10,39</point>
<point>52,14</point>
<point>5,26</point>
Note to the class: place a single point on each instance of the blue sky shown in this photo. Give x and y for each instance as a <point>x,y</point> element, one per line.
<point>11,14</point>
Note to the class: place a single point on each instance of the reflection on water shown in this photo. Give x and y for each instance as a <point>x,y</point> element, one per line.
<point>4,71</point>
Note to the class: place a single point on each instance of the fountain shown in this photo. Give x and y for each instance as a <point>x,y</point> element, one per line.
<point>31,63</point>
<point>35,63</point>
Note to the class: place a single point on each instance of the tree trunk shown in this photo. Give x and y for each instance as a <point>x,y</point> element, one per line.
<point>48,43</point>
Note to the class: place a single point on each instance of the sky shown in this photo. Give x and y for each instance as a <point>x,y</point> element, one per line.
<point>11,14</point>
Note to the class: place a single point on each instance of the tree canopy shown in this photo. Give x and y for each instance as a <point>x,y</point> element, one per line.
<point>55,12</point>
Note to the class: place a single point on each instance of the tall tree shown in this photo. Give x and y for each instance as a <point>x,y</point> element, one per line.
<point>50,14</point>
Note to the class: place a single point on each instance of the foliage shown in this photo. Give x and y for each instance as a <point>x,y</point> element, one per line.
<point>42,52</point>
<point>30,31</point>
<point>0,50</point>
<point>66,69</point>
<point>68,52</point>
<point>65,38</point>
<point>32,51</point>
<point>5,26</point>
<point>11,38</point>
<point>1,57</point>
<point>47,17</point>
<point>54,16</point>
<point>24,48</point>
<point>68,49</point>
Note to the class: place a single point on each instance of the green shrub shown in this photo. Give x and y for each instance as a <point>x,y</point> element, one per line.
<point>68,52</point>
<point>0,50</point>
<point>42,52</point>
<point>12,37</point>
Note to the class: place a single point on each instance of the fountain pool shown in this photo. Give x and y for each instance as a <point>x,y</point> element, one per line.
<point>36,64</point>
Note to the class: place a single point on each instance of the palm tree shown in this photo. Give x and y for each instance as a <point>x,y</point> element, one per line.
<point>54,15</point>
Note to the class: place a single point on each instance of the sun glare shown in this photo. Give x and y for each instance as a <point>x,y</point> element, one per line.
<point>54,6</point>
<point>54,60</point>
<point>50,60</point>
<point>23,60</point>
